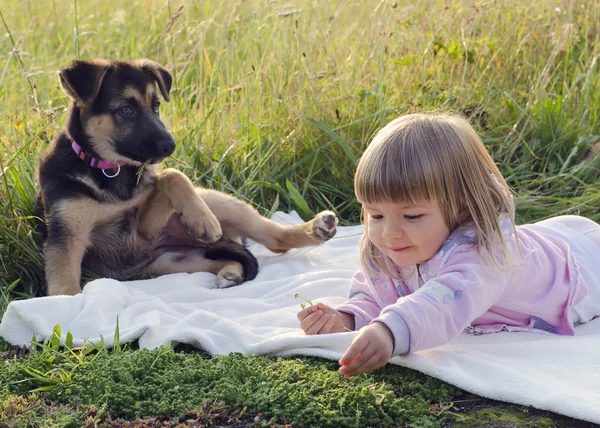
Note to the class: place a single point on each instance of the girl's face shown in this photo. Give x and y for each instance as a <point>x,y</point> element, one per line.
<point>409,234</point>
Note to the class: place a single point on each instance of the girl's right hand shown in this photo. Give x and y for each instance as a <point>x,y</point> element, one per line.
<point>323,319</point>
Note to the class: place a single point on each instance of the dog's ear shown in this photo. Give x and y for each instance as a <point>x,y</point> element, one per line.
<point>160,75</point>
<point>81,80</point>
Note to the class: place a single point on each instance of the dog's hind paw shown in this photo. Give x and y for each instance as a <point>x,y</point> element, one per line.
<point>324,225</point>
<point>230,275</point>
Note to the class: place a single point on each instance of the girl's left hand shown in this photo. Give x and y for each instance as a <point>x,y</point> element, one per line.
<point>371,348</point>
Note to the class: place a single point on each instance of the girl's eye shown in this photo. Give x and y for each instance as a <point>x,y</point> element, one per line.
<point>126,110</point>
<point>376,216</point>
<point>413,217</point>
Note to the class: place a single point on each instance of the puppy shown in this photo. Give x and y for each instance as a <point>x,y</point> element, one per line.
<point>107,205</point>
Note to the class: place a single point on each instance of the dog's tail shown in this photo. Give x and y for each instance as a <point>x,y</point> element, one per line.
<point>231,250</point>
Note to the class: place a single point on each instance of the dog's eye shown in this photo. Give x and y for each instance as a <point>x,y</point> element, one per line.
<point>126,110</point>
<point>156,106</point>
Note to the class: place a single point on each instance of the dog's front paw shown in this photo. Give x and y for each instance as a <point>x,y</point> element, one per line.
<point>230,275</point>
<point>324,225</point>
<point>204,226</point>
<point>63,288</point>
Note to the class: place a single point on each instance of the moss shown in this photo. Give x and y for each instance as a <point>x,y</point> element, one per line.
<point>162,382</point>
<point>504,417</point>
<point>17,411</point>
<point>134,386</point>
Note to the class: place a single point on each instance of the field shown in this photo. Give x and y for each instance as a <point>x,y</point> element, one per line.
<point>274,101</point>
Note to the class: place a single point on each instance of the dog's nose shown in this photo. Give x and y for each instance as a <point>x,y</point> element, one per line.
<point>165,147</point>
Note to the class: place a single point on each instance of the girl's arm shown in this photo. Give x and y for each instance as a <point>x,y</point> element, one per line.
<point>462,290</point>
<point>362,305</point>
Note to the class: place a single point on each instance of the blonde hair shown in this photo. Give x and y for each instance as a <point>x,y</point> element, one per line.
<point>433,157</point>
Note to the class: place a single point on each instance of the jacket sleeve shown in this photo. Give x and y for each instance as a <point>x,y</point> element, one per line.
<point>361,303</point>
<point>461,291</point>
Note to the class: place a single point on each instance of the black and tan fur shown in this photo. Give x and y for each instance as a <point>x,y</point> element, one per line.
<point>157,222</point>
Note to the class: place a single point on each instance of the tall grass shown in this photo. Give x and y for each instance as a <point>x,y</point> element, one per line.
<point>272,94</point>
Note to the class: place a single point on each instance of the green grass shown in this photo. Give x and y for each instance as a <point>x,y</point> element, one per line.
<point>274,102</point>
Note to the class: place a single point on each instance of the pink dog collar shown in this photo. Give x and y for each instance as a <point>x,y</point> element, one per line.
<point>95,162</point>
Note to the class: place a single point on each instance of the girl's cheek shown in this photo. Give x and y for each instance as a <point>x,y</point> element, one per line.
<point>373,231</point>
<point>373,225</point>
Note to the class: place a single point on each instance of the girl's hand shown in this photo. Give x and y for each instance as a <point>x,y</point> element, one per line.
<point>371,348</point>
<point>323,319</point>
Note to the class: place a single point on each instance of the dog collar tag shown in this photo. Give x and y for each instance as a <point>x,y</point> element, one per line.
<point>114,175</point>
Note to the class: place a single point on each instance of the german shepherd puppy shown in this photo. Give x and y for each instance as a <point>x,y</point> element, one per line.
<point>105,203</point>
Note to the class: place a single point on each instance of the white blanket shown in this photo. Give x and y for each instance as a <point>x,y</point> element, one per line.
<point>556,373</point>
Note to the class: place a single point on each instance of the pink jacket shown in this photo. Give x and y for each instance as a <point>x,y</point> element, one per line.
<point>455,291</point>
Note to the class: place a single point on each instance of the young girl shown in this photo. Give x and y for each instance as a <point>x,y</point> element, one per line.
<point>441,253</point>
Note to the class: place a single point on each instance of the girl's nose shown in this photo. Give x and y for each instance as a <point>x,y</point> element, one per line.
<point>392,231</point>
